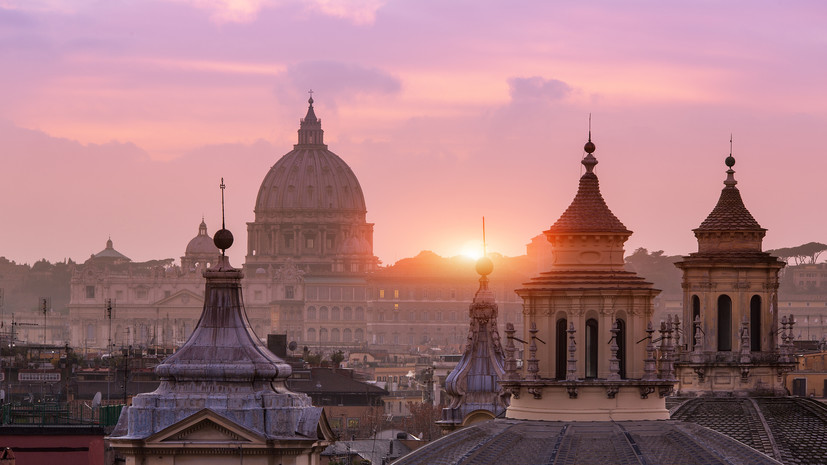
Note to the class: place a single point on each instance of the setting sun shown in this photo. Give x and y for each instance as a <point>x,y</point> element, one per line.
<point>472,249</point>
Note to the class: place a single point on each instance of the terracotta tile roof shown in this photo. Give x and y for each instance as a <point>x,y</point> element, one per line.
<point>729,214</point>
<point>588,211</point>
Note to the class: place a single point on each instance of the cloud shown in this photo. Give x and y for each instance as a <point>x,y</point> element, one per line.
<point>336,80</point>
<point>360,12</point>
<point>537,88</point>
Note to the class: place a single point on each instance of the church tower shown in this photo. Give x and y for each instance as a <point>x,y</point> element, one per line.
<point>585,318</point>
<point>730,305</point>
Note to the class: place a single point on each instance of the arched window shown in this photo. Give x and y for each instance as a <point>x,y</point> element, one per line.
<point>334,335</point>
<point>347,335</point>
<point>347,314</point>
<point>323,335</point>
<point>755,323</point>
<point>323,313</point>
<point>696,314</point>
<point>621,346</point>
<point>360,314</point>
<point>724,323</point>
<point>334,314</point>
<point>359,334</point>
<point>311,313</point>
<point>311,335</point>
<point>561,346</point>
<point>591,348</point>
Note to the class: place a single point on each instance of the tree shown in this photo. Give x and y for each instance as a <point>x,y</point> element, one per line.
<point>423,420</point>
<point>658,268</point>
<point>336,358</point>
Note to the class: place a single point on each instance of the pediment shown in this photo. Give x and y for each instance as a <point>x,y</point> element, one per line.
<point>205,427</point>
<point>182,298</point>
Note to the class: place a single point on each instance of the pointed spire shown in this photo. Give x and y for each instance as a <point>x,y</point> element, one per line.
<point>730,213</point>
<point>310,128</point>
<point>588,211</point>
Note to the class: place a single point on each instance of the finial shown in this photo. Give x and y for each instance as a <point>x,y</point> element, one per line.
<point>589,147</point>
<point>730,162</point>
<point>484,265</point>
<point>223,238</point>
<point>310,100</point>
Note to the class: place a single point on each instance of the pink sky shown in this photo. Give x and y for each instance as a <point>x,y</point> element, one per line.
<point>120,117</point>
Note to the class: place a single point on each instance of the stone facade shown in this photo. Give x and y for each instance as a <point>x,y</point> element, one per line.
<point>730,307</point>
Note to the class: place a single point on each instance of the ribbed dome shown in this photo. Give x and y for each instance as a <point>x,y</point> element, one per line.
<point>310,177</point>
<point>202,244</point>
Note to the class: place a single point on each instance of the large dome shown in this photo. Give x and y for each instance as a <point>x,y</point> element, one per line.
<point>310,177</point>
<point>202,244</point>
<point>310,211</point>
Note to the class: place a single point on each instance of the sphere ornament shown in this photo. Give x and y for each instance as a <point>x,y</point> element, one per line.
<point>223,239</point>
<point>589,147</point>
<point>484,266</point>
<point>730,161</point>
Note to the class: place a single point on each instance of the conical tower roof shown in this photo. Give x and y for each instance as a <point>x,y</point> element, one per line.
<point>729,213</point>
<point>588,211</point>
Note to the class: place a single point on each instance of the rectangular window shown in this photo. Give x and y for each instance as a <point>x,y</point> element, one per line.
<point>288,241</point>
<point>312,293</point>
<point>288,292</point>
<point>329,242</point>
<point>381,293</point>
<point>90,292</point>
<point>396,306</point>
<point>309,242</point>
<point>141,293</point>
<point>396,293</point>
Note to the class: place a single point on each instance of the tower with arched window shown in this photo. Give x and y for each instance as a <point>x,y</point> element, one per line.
<point>730,305</point>
<point>588,347</point>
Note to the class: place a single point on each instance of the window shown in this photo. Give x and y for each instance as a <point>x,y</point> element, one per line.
<point>561,349</point>
<point>347,314</point>
<point>334,335</point>
<point>288,241</point>
<point>118,294</point>
<point>323,313</point>
<point>141,293</point>
<point>396,293</point>
<point>591,348</point>
<point>257,295</point>
<point>359,335</point>
<point>438,316</point>
<point>311,335</point>
<point>755,323</point>
<point>396,306</point>
<point>90,292</point>
<point>696,314</point>
<point>309,242</point>
<point>347,335</point>
<point>329,242</point>
<point>334,314</point>
<point>323,335</point>
<point>621,346</point>
<point>288,292</point>
<point>311,313</point>
<point>724,323</point>
<point>381,293</point>
<point>360,314</point>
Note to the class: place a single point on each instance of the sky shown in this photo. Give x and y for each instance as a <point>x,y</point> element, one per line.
<point>119,118</point>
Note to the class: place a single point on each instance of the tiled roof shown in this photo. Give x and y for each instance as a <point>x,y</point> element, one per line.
<point>792,429</point>
<point>585,443</point>
<point>729,214</point>
<point>588,211</point>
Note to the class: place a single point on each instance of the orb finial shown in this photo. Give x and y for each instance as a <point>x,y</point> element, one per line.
<point>310,100</point>
<point>223,238</point>
<point>589,147</point>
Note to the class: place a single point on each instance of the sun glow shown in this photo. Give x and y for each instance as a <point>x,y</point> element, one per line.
<point>472,249</point>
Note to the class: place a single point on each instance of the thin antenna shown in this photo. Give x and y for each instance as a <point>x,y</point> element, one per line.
<point>222,186</point>
<point>730,144</point>
<point>484,253</point>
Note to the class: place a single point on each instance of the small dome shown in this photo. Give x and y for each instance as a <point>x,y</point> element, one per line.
<point>202,244</point>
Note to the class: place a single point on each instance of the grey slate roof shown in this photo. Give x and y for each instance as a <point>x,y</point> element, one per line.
<point>729,214</point>
<point>792,429</point>
<point>504,441</point>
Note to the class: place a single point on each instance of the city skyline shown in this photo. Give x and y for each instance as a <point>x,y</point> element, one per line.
<point>120,119</point>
